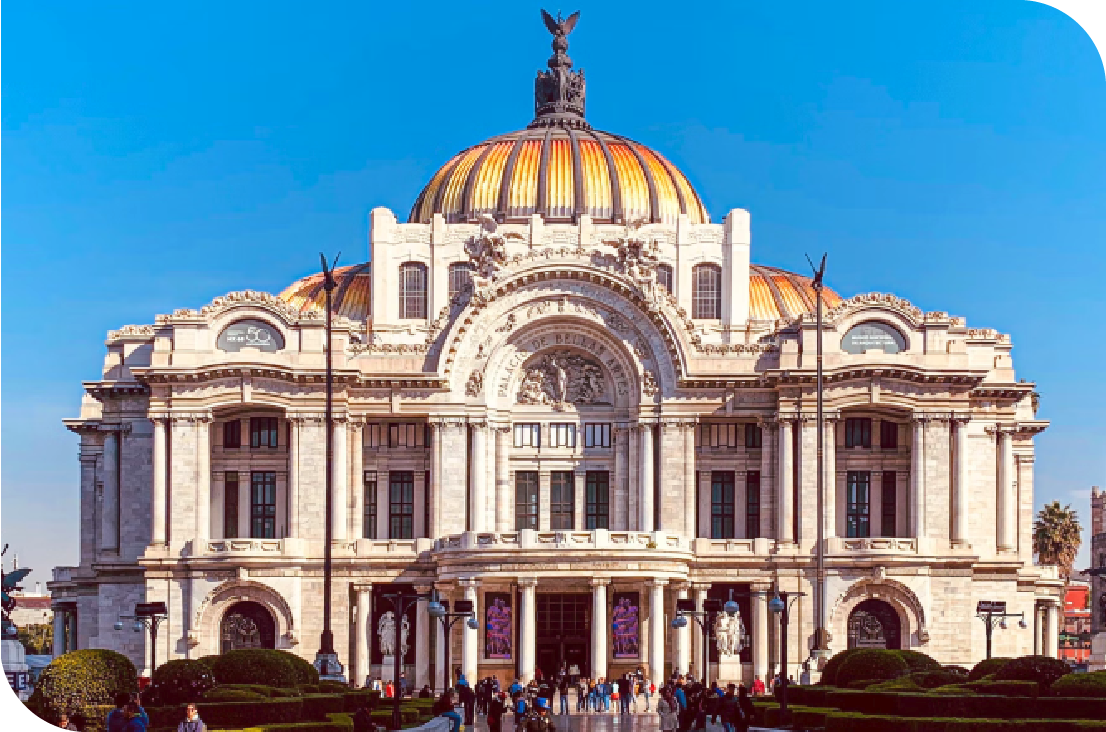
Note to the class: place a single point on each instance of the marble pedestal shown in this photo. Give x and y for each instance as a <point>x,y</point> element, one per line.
<point>729,670</point>
<point>388,669</point>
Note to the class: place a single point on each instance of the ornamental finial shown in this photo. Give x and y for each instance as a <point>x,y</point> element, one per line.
<point>559,92</point>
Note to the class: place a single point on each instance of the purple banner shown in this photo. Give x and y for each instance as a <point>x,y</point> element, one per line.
<point>625,636</point>
<point>498,627</point>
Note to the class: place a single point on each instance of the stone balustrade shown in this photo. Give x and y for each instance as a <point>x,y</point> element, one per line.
<point>526,539</point>
<point>872,545</point>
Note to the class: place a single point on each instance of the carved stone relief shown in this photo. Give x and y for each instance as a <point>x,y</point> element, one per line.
<point>560,378</point>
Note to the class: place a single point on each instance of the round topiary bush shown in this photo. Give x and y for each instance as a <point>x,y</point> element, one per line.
<point>255,666</point>
<point>934,679</point>
<point>180,682</point>
<point>829,671</point>
<point>78,681</point>
<point>987,667</point>
<point>870,663</point>
<point>1089,684</point>
<point>958,670</point>
<point>1042,669</point>
<point>918,661</point>
<point>220,694</point>
<point>306,673</point>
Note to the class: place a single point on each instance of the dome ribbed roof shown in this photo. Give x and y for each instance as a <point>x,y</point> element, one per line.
<point>351,299</point>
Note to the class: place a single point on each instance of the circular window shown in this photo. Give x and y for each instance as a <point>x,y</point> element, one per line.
<point>873,336</point>
<point>250,334</point>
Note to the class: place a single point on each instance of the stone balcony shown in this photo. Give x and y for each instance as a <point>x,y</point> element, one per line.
<point>298,548</point>
<point>869,546</point>
<point>567,540</point>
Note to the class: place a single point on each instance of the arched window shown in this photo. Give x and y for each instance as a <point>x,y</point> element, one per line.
<point>706,295</point>
<point>460,277</point>
<point>412,290</point>
<point>247,624</point>
<point>664,276</point>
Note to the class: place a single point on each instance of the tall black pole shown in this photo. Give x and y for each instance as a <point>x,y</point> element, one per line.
<point>398,658</point>
<point>990,629</point>
<point>820,640</point>
<point>326,655</point>
<point>783,658</point>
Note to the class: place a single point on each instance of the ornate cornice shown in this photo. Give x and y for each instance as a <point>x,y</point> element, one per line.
<point>131,333</point>
<point>241,298</point>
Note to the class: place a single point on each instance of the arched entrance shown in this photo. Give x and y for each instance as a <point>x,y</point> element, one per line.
<point>247,625</point>
<point>874,624</point>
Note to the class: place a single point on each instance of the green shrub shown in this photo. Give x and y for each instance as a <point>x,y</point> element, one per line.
<point>903,683</point>
<point>333,687</point>
<point>934,679</point>
<point>308,688</point>
<point>917,661</point>
<point>952,689</point>
<point>808,696</point>
<point>1042,669</point>
<point>958,670</point>
<point>981,706</point>
<point>1091,684</point>
<point>317,706</point>
<point>1006,688</point>
<point>80,681</point>
<point>179,682</point>
<point>223,694</point>
<point>306,673</point>
<point>355,698</point>
<point>856,722</point>
<point>256,666</point>
<point>986,667</point>
<point>231,714</point>
<point>829,671</point>
<point>870,663</point>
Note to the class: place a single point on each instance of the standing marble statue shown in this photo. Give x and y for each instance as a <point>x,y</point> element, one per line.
<point>729,632</point>
<point>386,633</point>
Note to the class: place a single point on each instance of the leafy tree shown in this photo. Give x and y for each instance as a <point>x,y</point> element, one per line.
<point>37,639</point>
<point>1056,536</point>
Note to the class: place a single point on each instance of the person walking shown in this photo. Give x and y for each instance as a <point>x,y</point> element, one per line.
<point>496,709</point>
<point>668,711</point>
<point>647,690</point>
<point>562,689</point>
<point>192,721</point>
<point>625,694</point>
<point>745,706</point>
<point>758,686</point>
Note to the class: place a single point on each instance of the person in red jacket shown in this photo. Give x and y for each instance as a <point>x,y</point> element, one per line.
<point>758,687</point>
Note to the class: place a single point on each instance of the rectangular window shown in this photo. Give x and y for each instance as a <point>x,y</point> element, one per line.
<point>526,499</point>
<point>752,504</point>
<point>368,526</point>
<point>528,435</point>
<point>562,499</point>
<point>230,505</point>
<point>597,434</point>
<point>721,504</point>
<point>562,434</point>
<point>858,432</point>
<point>888,495</point>
<point>664,276</point>
<point>232,433</point>
<point>406,434</point>
<point>374,436</point>
<point>753,437</point>
<point>706,292</point>
<point>263,431</point>
<point>598,502</point>
<point>717,435</point>
<point>858,503</point>
<point>888,435</point>
<point>401,504</point>
<point>263,505</point>
<point>460,278</point>
<point>412,290</point>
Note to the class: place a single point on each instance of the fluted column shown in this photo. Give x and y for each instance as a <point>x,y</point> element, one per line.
<point>760,633</point>
<point>477,500</point>
<point>960,482</point>
<point>701,658</point>
<point>690,530</point>
<point>646,472</point>
<point>158,496</point>
<point>917,478</point>
<point>657,629</point>
<point>293,476</point>
<point>423,622</point>
<point>470,636</point>
<point>599,626</point>
<point>767,515</point>
<point>504,516</point>
<point>109,503</point>
<point>620,482</point>
<point>683,640</point>
<point>785,533</point>
<point>528,627</point>
<point>361,630</point>
<point>829,464</point>
<point>340,505</point>
<point>59,632</point>
<point>203,485</point>
<point>1052,630</point>
<point>357,478</point>
<point>1005,507</point>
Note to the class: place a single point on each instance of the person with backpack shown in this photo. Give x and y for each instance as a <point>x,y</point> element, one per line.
<point>117,718</point>
<point>519,709</point>
<point>444,707</point>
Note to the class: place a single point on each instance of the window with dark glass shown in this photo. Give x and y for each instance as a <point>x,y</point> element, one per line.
<point>706,291</point>
<point>664,276</point>
<point>526,499</point>
<point>368,525</point>
<point>262,505</point>
<point>232,433</point>
<point>753,436</point>
<point>888,434</point>
<point>528,435</point>
<point>752,504</point>
<point>412,290</point>
<point>263,431</point>
<point>562,434</point>
<point>857,500</point>
<point>401,504</point>
<point>597,499</point>
<point>717,435</point>
<point>230,505</point>
<point>460,278</point>
<point>407,434</point>
<point>597,434</point>
<point>721,504</point>
<point>375,436</point>
<point>888,499</point>
<point>858,432</point>
<point>562,499</point>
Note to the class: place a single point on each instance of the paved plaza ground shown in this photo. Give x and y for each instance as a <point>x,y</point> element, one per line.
<point>640,721</point>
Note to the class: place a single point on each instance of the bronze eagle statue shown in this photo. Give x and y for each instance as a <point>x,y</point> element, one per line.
<point>559,27</point>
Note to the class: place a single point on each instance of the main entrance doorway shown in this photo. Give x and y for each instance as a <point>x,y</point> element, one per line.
<point>564,633</point>
<point>874,624</point>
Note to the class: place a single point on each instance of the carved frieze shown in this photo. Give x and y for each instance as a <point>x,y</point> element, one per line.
<point>560,378</point>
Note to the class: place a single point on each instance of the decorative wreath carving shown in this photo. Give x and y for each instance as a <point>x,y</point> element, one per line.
<point>891,591</point>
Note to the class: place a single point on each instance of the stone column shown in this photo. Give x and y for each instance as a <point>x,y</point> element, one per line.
<point>504,515</point>
<point>1005,506</point>
<point>917,478</point>
<point>477,500</point>
<point>439,645</point>
<point>683,640</point>
<point>470,636</point>
<point>1052,629</point>
<point>71,626</point>
<point>767,437</point>
<point>357,484</point>
<point>701,657</point>
<point>960,482</point>
<point>203,485</point>
<point>599,626</point>
<point>423,622</point>
<point>829,479</point>
<point>760,633</point>
<point>59,632</point>
<point>528,627</point>
<point>620,483</point>
<point>340,516</point>
<point>646,472</point>
<point>435,499</point>
<point>690,530</point>
<point>657,628</point>
<point>293,477</point>
<point>361,631</point>
<point>785,533</point>
<point>158,497</point>
<point>109,503</point>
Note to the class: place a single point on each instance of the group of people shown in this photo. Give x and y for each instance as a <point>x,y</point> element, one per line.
<point>685,705</point>
<point>128,715</point>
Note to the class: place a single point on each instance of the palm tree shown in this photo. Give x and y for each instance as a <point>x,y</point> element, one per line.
<point>1056,536</point>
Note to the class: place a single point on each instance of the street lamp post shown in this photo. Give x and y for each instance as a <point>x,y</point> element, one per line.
<point>821,641</point>
<point>993,614</point>
<point>461,609</point>
<point>780,604</point>
<point>148,616</point>
<point>401,602</point>
<point>685,608</point>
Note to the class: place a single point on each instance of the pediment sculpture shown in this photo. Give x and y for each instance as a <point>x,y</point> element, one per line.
<point>488,249</point>
<point>638,259</point>
<point>562,378</point>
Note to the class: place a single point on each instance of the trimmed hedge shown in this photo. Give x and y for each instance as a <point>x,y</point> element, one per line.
<point>179,682</point>
<point>336,723</point>
<point>81,681</point>
<point>903,683</point>
<point>317,706</point>
<point>854,722</point>
<point>258,666</point>
<point>934,679</point>
<point>967,706</point>
<point>223,694</point>
<point>354,699</point>
<point>1006,688</point>
<point>987,667</point>
<point>869,663</point>
<point>917,661</point>
<point>1091,684</point>
<point>829,671</point>
<point>333,687</point>
<point>1044,670</point>
<point>232,715</point>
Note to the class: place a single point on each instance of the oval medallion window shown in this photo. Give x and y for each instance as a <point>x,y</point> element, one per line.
<point>250,334</point>
<point>873,336</point>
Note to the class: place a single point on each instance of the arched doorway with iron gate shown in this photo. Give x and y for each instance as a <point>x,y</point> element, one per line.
<point>247,624</point>
<point>875,624</point>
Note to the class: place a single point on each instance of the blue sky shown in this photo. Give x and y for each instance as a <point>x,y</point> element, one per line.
<point>156,156</point>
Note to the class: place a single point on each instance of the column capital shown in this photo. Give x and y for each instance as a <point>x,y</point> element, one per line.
<point>423,588</point>
<point>362,587</point>
<point>600,581</point>
<point>187,417</point>
<point>961,418</point>
<point>659,582</point>
<point>478,422</point>
<point>768,421</point>
<point>1001,428</point>
<point>469,582</point>
<point>527,582</point>
<point>758,588</point>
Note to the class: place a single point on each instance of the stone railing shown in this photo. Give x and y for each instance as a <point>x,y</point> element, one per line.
<point>526,539</point>
<point>246,546</point>
<point>733,547</point>
<point>872,545</point>
<point>295,547</point>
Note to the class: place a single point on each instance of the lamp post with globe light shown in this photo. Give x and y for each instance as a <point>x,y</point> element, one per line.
<point>993,614</point>
<point>147,616</point>
<point>461,609</point>
<point>780,604</point>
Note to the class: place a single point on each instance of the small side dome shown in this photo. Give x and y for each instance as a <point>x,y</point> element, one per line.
<point>351,299</point>
<point>775,293</point>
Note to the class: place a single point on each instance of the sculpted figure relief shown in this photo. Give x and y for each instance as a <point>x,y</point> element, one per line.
<point>729,632</point>
<point>561,378</point>
<point>488,250</point>
<point>386,633</point>
<point>638,259</point>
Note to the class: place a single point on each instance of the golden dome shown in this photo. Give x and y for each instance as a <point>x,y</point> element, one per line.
<point>351,298</point>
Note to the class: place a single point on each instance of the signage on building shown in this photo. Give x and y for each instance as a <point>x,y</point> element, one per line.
<point>250,334</point>
<point>873,336</point>
<point>991,606</point>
